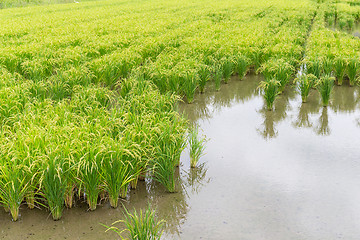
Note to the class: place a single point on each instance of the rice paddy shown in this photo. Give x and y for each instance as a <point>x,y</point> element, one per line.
<point>89,91</point>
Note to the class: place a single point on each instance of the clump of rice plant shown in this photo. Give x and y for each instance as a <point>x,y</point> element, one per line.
<point>168,146</point>
<point>204,77</point>
<point>116,172</point>
<point>327,66</point>
<point>141,225</point>
<point>217,77</point>
<point>241,66</point>
<point>325,86</point>
<point>278,69</point>
<point>13,187</point>
<point>54,187</point>
<point>190,85</point>
<point>353,71</point>
<point>89,177</point>
<point>314,67</point>
<point>304,83</point>
<point>227,65</point>
<point>270,90</point>
<point>196,145</point>
<point>340,67</point>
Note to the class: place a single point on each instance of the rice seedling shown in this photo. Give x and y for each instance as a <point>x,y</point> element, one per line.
<point>270,90</point>
<point>190,84</point>
<point>340,68</point>
<point>53,186</point>
<point>325,86</point>
<point>217,75</point>
<point>169,143</point>
<point>353,71</point>
<point>242,66</point>
<point>141,225</point>
<point>116,173</point>
<point>13,188</point>
<point>90,178</point>
<point>227,66</point>
<point>314,67</point>
<point>327,66</point>
<point>304,83</point>
<point>204,76</point>
<point>196,145</point>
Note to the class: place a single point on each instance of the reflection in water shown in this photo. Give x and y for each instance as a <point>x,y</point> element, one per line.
<point>344,99</point>
<point>196,178</point>
<point>302,119</point>
<point>267,129</point>
<point>282,106</point>
<point>312,106</point>
<point>205,105</point>
<point>355,30</point>
<point>175,209</point>
<point>323,127</point>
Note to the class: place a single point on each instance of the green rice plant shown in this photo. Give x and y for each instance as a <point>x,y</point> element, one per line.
<point>89,177</point>
<point>141,225</point>
<point>353,71</point>
<point>314,67</point>
<point>342,24</point>
<point>204,76</point>
<point>14,184</point>
<point>190,84</point>
<point>53,185</point>
<point>327,66</point>
<point>270,90</point>
<point>283,73</point>
<point>217,75</point>
<point>304,83</point>
<point>168,144</point>
<point>325,86</point>
<point>340,68</point>
<point>227,66</point>
<point>196,145</point>
<point>116,173</point>
<point>242,66</point>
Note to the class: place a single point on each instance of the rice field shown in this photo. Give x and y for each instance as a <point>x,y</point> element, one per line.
<point>89,91</point>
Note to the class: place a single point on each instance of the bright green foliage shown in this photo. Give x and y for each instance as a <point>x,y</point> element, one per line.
<point>54,186</point>
<point>353,71</point>
<point>141,225</point>
<point>242,66</point>
<point>196,145</point>
<point>278,69</point>
<point>304,83</point>
<point>325,86</point>
<point>204,77</point>
<point>270,90</point>
<point>227,65</point>
<point>85,88</point>
<point>218,76</point>
<point>13,187</point>
<point>340,68</point>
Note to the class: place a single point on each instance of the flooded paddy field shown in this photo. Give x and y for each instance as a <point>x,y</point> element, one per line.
<point>291,173</point>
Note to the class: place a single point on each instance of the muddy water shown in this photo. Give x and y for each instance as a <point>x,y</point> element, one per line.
<point>293,173</point>
<point>355,31</point>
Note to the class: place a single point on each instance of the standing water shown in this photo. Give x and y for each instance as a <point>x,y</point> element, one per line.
<point>292,173</point>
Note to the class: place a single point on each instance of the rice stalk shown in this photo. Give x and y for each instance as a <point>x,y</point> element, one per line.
<point>270,90</point>
<point>141,225</point>
<point>324,87</point>
<point>196,145</point>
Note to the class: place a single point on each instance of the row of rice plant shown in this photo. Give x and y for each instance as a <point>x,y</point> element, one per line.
<point>90,145</point>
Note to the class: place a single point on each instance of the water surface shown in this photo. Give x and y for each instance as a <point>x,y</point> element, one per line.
<point>292,173</point>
